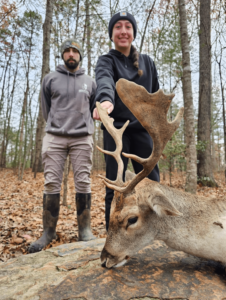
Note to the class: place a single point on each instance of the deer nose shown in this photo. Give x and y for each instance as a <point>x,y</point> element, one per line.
<point>103,264</point>
<point>104,256</point>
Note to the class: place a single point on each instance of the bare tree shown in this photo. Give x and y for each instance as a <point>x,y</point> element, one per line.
<point>88,30</point>
<point>77,19</point>
<point>219,62</point>
<point>205,174</point>
<point>31,23</point>
<point>191,156</point>
<point>45,70</point>
<point>65,181</point>
<point>146,24</point>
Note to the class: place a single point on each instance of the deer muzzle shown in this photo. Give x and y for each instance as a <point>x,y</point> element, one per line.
<point>112,261</point>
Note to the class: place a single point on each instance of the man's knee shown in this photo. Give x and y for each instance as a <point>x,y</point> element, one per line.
<point>82,188</point>
<point>52,188</point>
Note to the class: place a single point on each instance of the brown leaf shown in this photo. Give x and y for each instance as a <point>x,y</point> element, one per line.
<point>27,237</point>
<point>21,215</point>
<point>16,240</point>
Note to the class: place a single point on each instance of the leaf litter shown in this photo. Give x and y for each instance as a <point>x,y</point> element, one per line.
<point>21,209</point>
<point>21,212</point>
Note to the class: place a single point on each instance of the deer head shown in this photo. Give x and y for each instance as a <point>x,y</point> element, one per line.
<point>132,205</point>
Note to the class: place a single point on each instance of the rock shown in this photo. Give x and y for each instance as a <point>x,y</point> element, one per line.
<point>73,271</point>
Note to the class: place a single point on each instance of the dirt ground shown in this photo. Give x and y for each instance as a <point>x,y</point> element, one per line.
<point>21,209</point>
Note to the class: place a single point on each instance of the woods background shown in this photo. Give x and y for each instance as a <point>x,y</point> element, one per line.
<point>186,40</point>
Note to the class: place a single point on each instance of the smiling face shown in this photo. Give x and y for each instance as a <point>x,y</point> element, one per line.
<point>122,35</point>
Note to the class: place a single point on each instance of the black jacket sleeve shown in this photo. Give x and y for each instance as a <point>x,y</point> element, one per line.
<point>105,80</point>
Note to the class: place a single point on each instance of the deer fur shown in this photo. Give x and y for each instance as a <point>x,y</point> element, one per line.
<point>185,222</point>
<point>143,210</point>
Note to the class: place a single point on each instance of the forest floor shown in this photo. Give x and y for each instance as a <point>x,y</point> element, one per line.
<point>21,209</point>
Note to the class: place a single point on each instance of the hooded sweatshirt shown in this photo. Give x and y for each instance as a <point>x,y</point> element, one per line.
<point>115,65</point>
<point>67,101</point>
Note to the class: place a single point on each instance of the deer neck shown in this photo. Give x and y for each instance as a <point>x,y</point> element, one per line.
<point>201,231</point>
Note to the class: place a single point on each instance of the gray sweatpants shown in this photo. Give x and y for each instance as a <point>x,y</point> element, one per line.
<point>54,153</point>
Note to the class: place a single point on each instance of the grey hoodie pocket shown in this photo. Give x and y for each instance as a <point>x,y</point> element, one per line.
<point>68,121</point>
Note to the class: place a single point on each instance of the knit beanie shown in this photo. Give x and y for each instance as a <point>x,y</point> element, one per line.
<point>71,43</point>
<point>123,15</point>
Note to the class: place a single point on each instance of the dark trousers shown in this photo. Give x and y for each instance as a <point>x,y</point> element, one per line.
<point>134,142</point>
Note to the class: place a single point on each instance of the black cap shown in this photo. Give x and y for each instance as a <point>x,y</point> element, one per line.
<point>123,15</point>
<point>71,43</point>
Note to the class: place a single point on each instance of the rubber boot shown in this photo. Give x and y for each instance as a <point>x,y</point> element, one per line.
<point>51,208</point>
<point>83,204</point>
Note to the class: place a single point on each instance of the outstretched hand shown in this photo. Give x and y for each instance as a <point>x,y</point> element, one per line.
<point>107,105</point>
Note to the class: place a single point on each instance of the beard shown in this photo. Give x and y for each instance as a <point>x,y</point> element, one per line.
<point>71,63</point>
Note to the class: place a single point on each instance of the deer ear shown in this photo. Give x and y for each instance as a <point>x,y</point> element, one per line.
<point>161,205</point>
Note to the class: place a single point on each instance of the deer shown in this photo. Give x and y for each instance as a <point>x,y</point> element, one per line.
<point>143,210</point>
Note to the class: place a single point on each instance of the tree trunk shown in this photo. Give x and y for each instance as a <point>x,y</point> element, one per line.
<point>145,27</point>
<point>88,28</point>
<point>45,70</point>
<point>4,81</point>
<point>189,126</point>
<point>5,127</point>
<point>77,18</point>
<point>84,35</point>
<point>223,106</point>
<point>66,172</point>
<point>205,175</point>
<point>24,115</point>
<point>9,111</point>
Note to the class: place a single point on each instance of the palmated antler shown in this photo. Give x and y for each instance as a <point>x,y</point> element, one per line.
<point>117,136</point>
<point>151,111</point>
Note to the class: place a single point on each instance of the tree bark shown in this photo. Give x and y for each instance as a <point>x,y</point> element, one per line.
<point>45,70</point>
<point>145,27</point>
<point>6,127</point>
<point>219,62</point>
<point>88,28</point>
<point>77,18</point>
<point>191,156</point>
<point>205,174</point>
<point>4,80</point>
<point>24,113</point>
<point>66,172</point>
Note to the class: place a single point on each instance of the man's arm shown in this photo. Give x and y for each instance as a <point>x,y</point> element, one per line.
<point>45,98</point>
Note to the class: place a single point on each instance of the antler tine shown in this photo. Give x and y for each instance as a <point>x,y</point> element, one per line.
<point>151,111</point>
<point>117,136</point>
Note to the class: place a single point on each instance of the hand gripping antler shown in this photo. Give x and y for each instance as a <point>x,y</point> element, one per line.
<point>117,136</point>
<point>151,111</point>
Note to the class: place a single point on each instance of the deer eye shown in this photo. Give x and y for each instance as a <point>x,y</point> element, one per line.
<point>132,220</point>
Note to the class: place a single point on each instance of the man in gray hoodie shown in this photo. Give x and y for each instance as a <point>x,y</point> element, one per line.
<point>67,101</point>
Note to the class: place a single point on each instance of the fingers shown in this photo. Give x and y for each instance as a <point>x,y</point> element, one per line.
<point>96,115</point>
<point>107,105</point>
<point>110,109</point>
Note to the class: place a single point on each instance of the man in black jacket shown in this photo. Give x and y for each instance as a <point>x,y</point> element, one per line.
<point>124,62</point>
